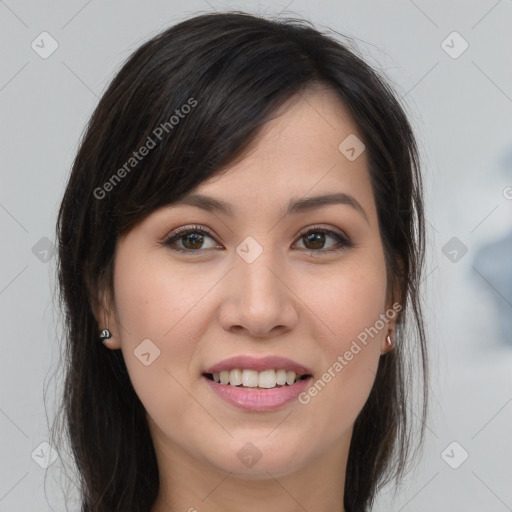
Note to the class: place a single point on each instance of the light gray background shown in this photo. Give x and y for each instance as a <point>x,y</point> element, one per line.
<point>461,110</point>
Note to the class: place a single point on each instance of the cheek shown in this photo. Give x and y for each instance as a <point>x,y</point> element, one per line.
<point>154,299</point>
<point>158,322</point>
<point>350,308</point>
<point>352,301</point>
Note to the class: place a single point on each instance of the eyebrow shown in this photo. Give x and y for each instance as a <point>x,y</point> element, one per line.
<point>294,206</point>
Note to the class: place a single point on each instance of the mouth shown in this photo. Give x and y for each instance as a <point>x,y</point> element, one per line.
<point>254,380</point>
<point>254,391</point>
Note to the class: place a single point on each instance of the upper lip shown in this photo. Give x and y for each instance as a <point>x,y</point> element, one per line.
<point>260,364</point>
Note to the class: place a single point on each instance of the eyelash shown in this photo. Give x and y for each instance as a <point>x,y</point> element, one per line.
<point>343,242</point>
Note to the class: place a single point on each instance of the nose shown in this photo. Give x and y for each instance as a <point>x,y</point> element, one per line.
<point>258,302</point>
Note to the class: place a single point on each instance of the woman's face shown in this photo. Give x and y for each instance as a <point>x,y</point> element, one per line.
<point>260,282</point>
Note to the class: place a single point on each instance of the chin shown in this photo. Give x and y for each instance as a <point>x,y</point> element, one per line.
<point>255,460</point>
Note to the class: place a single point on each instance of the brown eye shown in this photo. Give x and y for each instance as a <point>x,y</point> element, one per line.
<point>315,239</point>
<point>191,239</point>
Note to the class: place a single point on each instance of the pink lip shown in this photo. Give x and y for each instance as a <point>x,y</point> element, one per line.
<point>258,400</point>
<point>258,364</point>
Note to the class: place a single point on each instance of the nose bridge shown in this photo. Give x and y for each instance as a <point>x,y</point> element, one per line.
<point>256,272</point>
<point>258,300</point>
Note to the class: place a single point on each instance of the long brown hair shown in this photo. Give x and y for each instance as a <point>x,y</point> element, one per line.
<point>238,69</point>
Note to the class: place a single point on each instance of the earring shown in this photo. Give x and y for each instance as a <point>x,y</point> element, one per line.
<point>105,334</point>
<point>389,342</point>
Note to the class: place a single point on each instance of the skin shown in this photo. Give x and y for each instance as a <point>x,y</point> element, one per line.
<point>201,309</point>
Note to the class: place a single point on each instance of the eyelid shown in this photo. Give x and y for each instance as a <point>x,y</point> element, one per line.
<point>175,234</point>
<point>321,227</point>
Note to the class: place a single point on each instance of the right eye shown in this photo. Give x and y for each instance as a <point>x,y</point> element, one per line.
<point>191,237</point>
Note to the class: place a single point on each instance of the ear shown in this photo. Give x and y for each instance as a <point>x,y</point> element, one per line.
<point>103,309</point>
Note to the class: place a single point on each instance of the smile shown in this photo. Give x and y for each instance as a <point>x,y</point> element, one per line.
<point>256,399</point>
<point>252,379</point>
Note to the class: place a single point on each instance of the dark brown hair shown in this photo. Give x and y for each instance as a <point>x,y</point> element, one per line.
<point>234,70</point>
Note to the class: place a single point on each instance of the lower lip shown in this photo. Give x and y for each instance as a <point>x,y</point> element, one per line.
<point>259,400</point>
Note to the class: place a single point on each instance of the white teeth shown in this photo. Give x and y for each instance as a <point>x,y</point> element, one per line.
<point>235,377</point>
<point>266,379</point>
<point>250,378</point>
<point>281,377</point>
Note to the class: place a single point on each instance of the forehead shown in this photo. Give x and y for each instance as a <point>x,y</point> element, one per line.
<point>296,154</point>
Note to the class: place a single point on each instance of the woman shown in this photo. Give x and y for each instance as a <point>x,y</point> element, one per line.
<point>241,242</point>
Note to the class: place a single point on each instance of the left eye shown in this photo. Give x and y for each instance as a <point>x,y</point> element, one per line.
<point>193,238</point>
<point>317,237</point>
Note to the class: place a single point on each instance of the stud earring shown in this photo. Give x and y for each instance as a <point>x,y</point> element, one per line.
<point>389,342</point>
<point>105,334</point>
